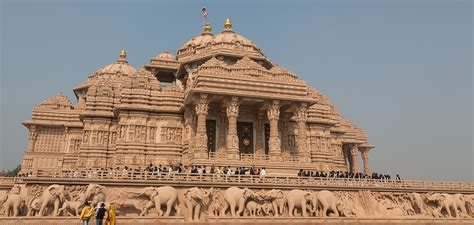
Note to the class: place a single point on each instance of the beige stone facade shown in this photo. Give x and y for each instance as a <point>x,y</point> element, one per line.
<point>219,101</point>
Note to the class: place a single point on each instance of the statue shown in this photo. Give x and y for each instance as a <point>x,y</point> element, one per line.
<point>53,195</point>
<point>13,201</point>
<point>446,202</point>
<point>328,202</point>
<point>299,199</point>
<point>236,197</point>
<point>155,197</point>
<point>194,199</point>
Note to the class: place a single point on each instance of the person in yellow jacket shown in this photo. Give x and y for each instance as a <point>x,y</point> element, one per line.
<point>112,214</point>
<point>87,213</point>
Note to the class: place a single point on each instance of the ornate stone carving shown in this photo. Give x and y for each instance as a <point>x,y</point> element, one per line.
<point>195,199</point>
<point>355,159</point>
<point>273,114</point>
<point>201,107</point>
<point>232,141</point>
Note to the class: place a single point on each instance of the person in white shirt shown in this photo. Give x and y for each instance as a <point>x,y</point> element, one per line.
<point>263,173</point>
<point>199,170</point>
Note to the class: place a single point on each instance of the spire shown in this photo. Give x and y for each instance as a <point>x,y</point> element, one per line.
<point>227,24</point>
<point>207,27</point>
<point>123,54</point>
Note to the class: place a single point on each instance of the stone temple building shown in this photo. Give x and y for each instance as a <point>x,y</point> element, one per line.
<point>220,101</point>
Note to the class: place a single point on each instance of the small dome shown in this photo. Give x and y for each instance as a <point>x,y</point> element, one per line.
<point>56,102</point>
<point>120,66</point>
<point>165,56</point>
<point>199,41</point>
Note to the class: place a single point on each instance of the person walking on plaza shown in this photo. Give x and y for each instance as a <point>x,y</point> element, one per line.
<point>112,215</point>
<point>87,213</point>
<point>100,214</point>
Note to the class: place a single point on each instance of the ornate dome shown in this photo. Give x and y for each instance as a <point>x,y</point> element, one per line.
<point>227,41</point>
<point>120,66</point>
<point>165,56</point>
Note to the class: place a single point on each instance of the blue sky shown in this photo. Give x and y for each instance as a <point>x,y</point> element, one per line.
<point>402,70</point>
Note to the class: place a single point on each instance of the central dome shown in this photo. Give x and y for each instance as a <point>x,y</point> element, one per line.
<point>227,42</point>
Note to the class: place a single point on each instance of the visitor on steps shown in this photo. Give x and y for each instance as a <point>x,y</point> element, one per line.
<point>87,213</point>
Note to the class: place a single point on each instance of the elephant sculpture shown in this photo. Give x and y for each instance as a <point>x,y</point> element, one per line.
<point>13,201</point>
<point>73,205</point>
<point>52,195</point>
<point>268,209</point>
<point>216,205</point>
<point>95,193</point>
<point>446,202</point>
<point>418,203</point>
<point>155,197</point>
<point>277,198</point>
<point>34,206</point>
<point>460,201</point>
<point>194,199</point>
<point>253,208</point>
<point>328,202</point>
<point>236,197</point>
<point>299,199</point>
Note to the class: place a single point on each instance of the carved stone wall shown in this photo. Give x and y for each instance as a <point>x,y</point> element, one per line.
<point>203,203</point>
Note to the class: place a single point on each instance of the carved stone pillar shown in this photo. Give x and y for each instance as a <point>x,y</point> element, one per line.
<point>259,135</point>
<point>32,135</point>
<point>273,114</point>
<point>365,157</point>
<point>355,159</point>
<point>285,123</point>
<point>189,120</point>
<point>202,108</point>
<point>232,140</point>
<point>221,139</point>
<point>301,142</point>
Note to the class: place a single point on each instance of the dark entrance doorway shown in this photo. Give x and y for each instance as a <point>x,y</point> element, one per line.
<point>211,135</point>
<point>267,137</point>
<point>245,133</point>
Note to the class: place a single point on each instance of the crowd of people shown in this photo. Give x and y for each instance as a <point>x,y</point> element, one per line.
<point>129,172</point>
<point>347,175</point>
<point>152,170</point>
<point>212,170</point>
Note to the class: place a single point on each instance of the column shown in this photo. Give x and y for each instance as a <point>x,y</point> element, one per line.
<point>365,157</point>
<point>189,120</point>
<point>202,108</point>
<point>232,110</point>
<point>301,142</point>
<point>259,143</point>
<point>32,134</point>
<point>273,114</point>
<point>221,138</point>
<point>355,160</point>
<point>285,126</point>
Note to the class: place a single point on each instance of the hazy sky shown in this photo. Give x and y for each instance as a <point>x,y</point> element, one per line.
<point>402,70</point>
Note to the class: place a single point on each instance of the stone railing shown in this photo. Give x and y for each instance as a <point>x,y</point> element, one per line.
<point>276,181</point>
<point>10,180</point>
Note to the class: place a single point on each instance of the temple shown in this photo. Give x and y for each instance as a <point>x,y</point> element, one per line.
<point>220,101</point>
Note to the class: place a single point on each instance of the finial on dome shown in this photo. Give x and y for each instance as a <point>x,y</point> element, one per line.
<point>207,27</point>
<point>123,54</point>
<point>227,24</point>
